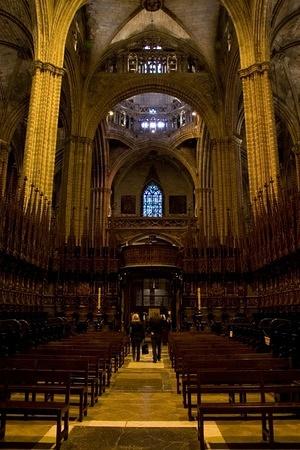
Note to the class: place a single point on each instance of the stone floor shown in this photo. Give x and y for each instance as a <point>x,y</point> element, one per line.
<point>141,410</point>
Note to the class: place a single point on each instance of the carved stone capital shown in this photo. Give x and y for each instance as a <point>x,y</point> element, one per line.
<point>49,67</point>
<point>255,68</point>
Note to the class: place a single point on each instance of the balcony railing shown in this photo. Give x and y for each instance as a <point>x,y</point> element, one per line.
<point>149,255</point>
<point>187,131</point>
<point>146,223</point>
<point>146,61</point>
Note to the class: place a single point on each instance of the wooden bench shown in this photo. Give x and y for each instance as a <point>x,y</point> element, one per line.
<point>234,382</point>
<point>79,390</point>
<point>80,376</point>
<point>191,348</point>
<point>263,410</point>
<point>104,365</point>
<point>214,362</point>
<point>81,372</point>
<point>182,343</point>
<point>29,408</point>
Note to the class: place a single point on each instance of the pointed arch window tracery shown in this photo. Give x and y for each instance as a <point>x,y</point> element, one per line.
<point>152,200</point>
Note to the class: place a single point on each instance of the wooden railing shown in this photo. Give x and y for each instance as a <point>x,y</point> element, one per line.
<point>146,223</point>
<point>149,255</point>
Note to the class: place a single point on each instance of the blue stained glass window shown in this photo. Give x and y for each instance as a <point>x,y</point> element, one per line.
<point>152,201</point>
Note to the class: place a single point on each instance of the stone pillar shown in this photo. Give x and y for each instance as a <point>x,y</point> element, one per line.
<point>227,175</point>
<point>105,212</point>
<point>237,216</point>
<point>65,208</point>
<point>40,147</point>
<point>3,165</point>
<point>178,312</point>
<point>296,151</point>
<point>197,193</point>
<point>79,177</point>
<point>260,128</point>
<point>203,200</point>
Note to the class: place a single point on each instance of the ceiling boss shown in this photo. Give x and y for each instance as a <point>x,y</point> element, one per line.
<point>152,5</point>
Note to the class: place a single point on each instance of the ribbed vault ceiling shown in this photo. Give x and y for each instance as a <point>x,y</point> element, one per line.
<point>112,20</point>
<point>108,22</point>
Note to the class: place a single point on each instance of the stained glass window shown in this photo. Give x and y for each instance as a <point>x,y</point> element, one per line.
<point>152,201</point>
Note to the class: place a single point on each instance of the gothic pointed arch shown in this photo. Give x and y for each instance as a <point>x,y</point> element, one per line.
<point>152,203</point>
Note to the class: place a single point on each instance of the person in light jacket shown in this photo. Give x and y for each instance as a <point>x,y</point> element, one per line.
<point>137,335</point>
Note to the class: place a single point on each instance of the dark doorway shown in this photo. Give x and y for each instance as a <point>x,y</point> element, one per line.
<point>145,291</point>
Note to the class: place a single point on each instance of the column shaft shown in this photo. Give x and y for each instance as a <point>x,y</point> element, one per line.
<point>296,150</point>
<point>227,175</point>
<point>40,147</point>
<point>260,128</point>
<point>203,201</point>
<point>80,179</point>
<point>3,165</point>
<point>105,194</point>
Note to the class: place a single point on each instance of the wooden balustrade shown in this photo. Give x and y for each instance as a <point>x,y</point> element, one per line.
<point>149,255</point>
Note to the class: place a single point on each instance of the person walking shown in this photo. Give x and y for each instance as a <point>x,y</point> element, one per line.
<point>166,328</point>
<point>137,335</point>
<point>156,328</point>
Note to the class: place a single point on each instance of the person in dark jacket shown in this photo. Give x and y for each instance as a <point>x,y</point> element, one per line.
<point>156,325</point>
<point>137,335</point>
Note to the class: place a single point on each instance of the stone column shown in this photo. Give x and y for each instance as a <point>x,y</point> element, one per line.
<point>64,212</point>
<point>226,167</point>
<point>203,201</point>
<point>40,147</point>
<point>3,165</point>
<point>296,151</point>
<point>237,216</point>
<point>197,193</point>
<point>260,128</point>
<point>79,177</point>
<point>105,212</point>
<point>76,189</point>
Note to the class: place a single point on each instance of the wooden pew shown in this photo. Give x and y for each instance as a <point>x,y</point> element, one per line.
<point>184,342</point>
<point>263,410</point>
<point>72,369</point>
<point>226,362</point>
<point>116,343</point>
<point>34,381</point>
<point>79,375</point>
<point>235,381</point>
<point>104,365</point>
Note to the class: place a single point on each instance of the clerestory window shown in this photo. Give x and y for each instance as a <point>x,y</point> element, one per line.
<point>152,201</point>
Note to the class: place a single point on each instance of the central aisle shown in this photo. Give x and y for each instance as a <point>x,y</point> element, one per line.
<point>140,410</point>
